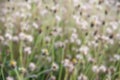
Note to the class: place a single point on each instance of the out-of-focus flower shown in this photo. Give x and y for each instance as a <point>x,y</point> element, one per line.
<point>49,59</point>
<point>24,36</point>
<point>52,78</point>
<point>103,68</point>
<point>44,52</point>
<point>1,38</point>
<point>35,25</point>
<point>29,38</point>
<point>117,57</point>
<point>8,36</point>
<point>57,31</point>
<point>95,69</point>
<point>82,77</point>
<point>32,66</point>
<point>55,67</point>
<point>84,49</point>
<point>27,50</point>
<point>13,63</point>
<point>9,78</point>
<point>79,56</point>
<point>58,18</point>
<point>98,69</point>
<point>74,61</point>
<point>15,38</point>
<point>44,12</point>
<point>47,39</point>
<point>76,2</point>
<point>59,44</point>
<point>68,65</point>
<point>22,70</point>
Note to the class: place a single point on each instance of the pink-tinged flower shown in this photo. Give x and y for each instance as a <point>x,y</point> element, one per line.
<point>82,77</point>
<point>32,66</point>
<point>10,78</point>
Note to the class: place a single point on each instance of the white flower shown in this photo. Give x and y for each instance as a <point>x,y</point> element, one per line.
<point>68,65</point>
<point>118,36</point>
<point>84,25</point>
<point>90,58</point>
<point>114,25</point>
<point>106,38</point>
<point>109,30</point>
<point>84,49</point>
<point>52,78</point>
<point>15,38</point>
<point>44,52</point>
<point>93,43</point>
<point>55,67</point>
<point>27,50</point>
<point>76,2</point>
<point>103,68</point>
<point>2,19</point>
<point>22,69</point>
<point>77,19</point>
<point>29,38</point>
<point>35,25</point>
<point>1,38</point>
<point>74,37</point>
<point>66,62</point>
<point>8,36</point>
<point>9,78</point>
<point>28,6</point>
<point>71,67</point>
<point>93,1</point>
<point>95,69</point>
<point>82,77</point>
<point>111,41</point>
<point>78,41</point>
<point>32,66</point>
<point>59,44</point>
<point>47,39</point>
<point>49,59</point>
<point>79,56</point>
<point>22,36</point>
<point>57,31</point>
<point>110,2</point>
<point>58,18</point>
<point>117,56</point>
<point>44,12</point>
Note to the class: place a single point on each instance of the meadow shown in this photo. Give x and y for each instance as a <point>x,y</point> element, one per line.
<point>60,40</point>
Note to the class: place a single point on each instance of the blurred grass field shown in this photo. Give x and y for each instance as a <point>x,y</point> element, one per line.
<point>59,40</point>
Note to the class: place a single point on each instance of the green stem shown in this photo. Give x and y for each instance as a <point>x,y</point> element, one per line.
<point>3,78</point>
<point>36,43</point>
<point>53,55</point>
<point>66,75</point>
<point>44,72</point>
<point>18,76</point>
<point>21,56</point>
<point>61,67</point>
<point>11,51</point>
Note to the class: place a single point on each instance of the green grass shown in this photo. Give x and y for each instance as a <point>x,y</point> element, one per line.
<point>62,48</point>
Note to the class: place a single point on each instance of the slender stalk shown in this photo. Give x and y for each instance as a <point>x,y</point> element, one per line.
<point>18,76</point>
<point>53,55</point>
<point>11,51</point>
<point>3,78</point>
<point>44,72</point>
<point>66,75</point>
<point>61,67</point>
<point>21,54</point>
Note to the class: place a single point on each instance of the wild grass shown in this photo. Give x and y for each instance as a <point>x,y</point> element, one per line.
<point>59,40</point>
